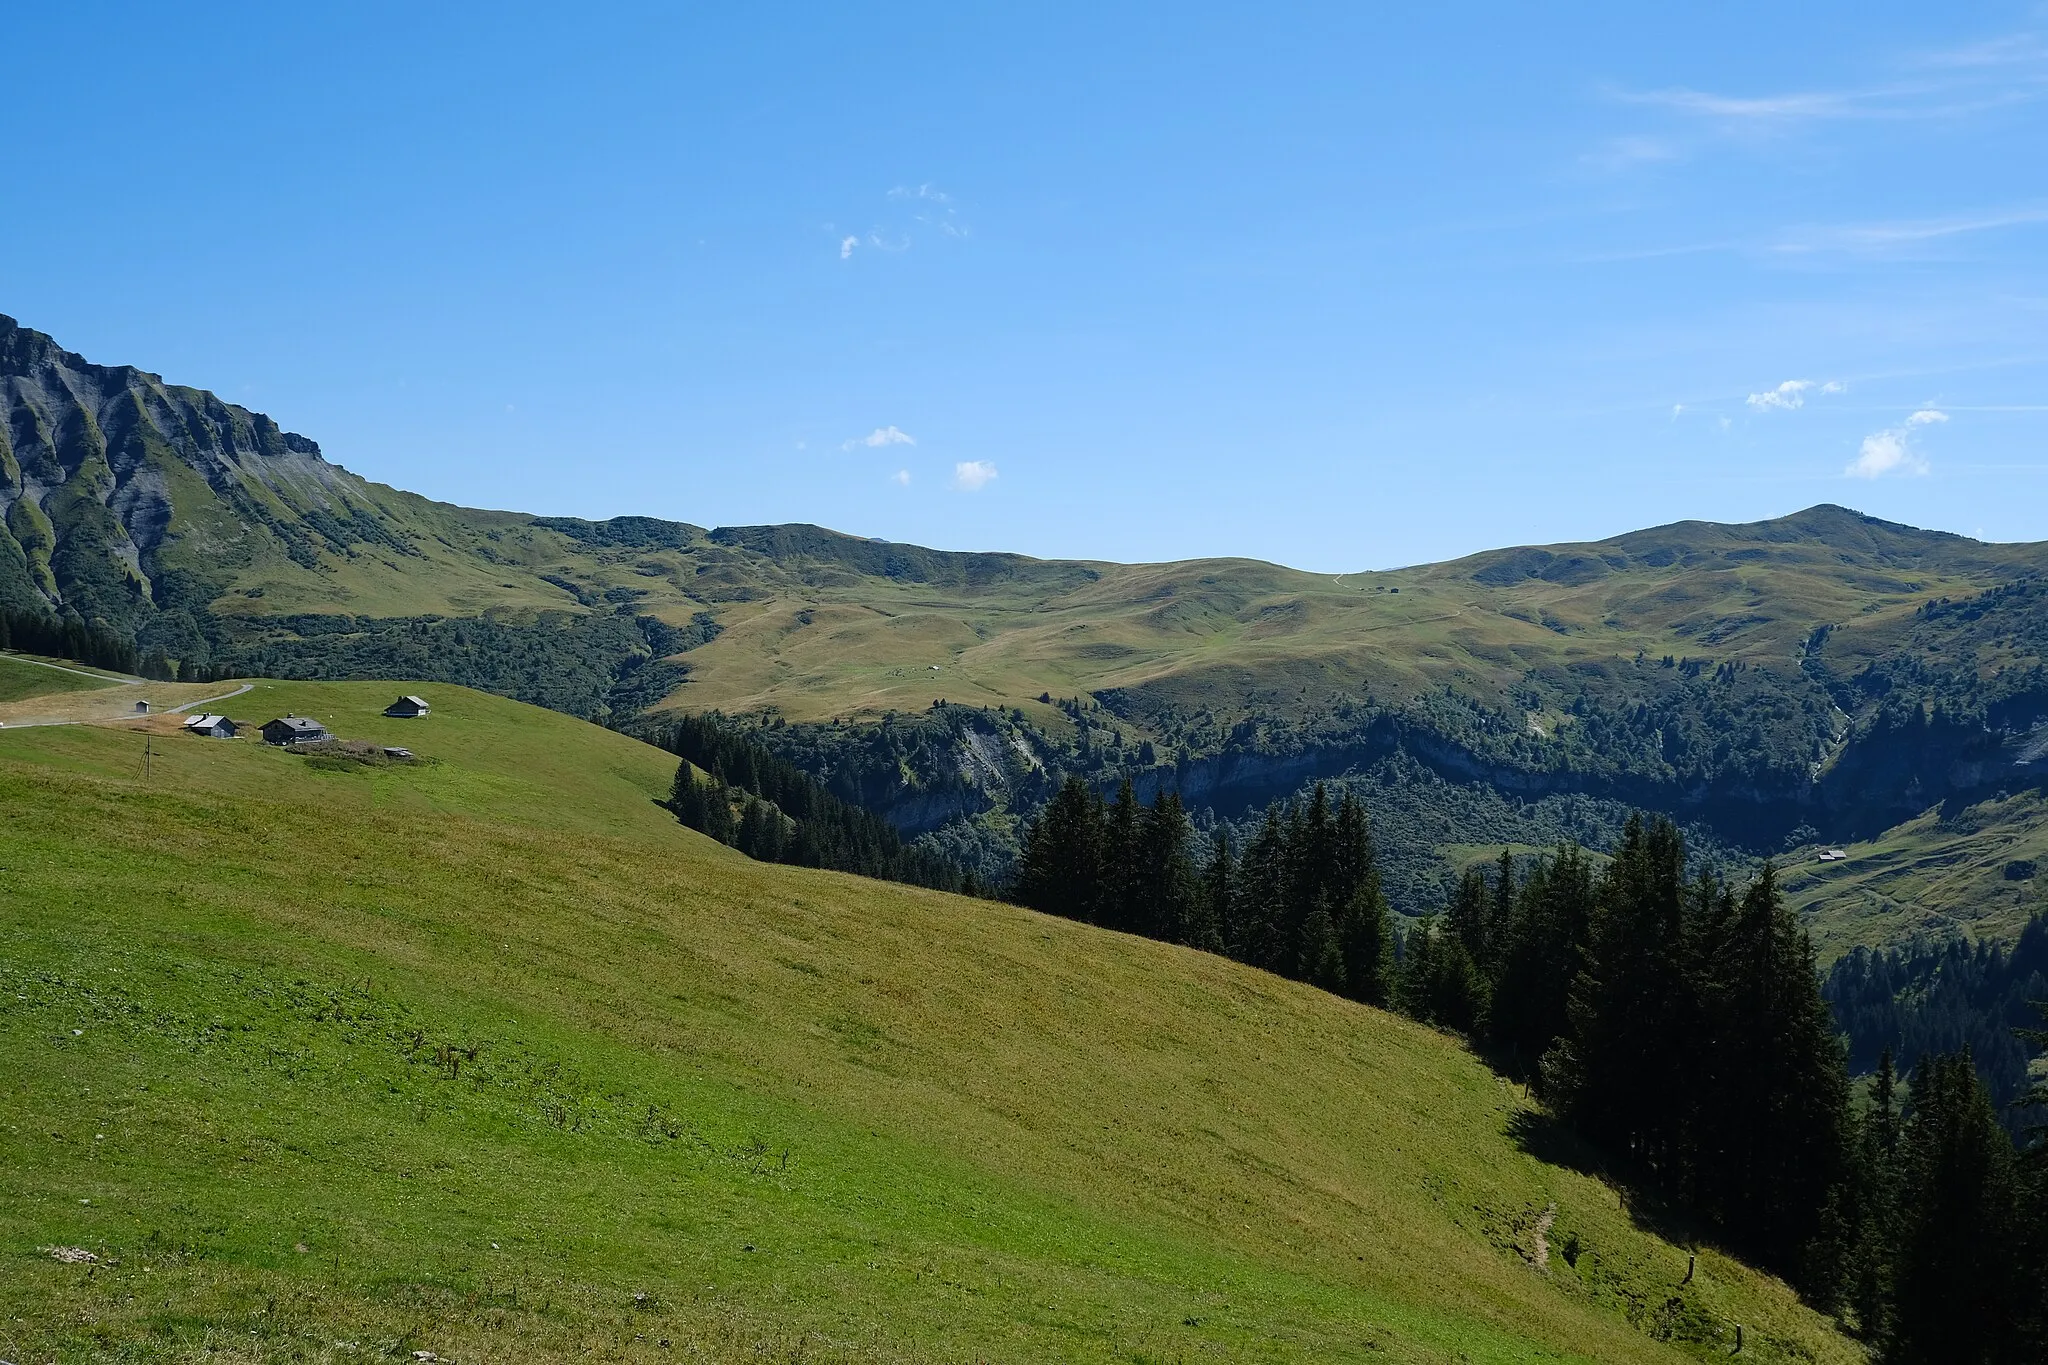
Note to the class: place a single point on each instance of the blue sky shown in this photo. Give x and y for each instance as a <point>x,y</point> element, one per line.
<point>1338,288</point>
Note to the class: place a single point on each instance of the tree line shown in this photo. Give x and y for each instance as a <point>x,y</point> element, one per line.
<point>771,810</point>
<point>66,637</point>
<point>1934,998</point>
<point>1304,900</point>
<point>1670,1018</point>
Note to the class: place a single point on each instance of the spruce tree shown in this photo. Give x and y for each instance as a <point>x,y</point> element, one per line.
<point>1365,937</point>
<point>1322,951</point>
<point>1957,1299</point>
<point>1165,890</point>
<point>1219,898</point>
<point>1467,915</point>
<point>1262,886</point>
<point>1060,869</point>
<point>1540,958</point>
<point>1876,1217</point>
<point>1615,1077</point>
<point>1771,1142</point>
<point>1118,891</point>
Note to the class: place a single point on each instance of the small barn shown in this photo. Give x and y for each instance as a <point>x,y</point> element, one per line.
<point>212,727</point>
<point>294,730</point>
<point>142,708</point>
<point>407,708</point>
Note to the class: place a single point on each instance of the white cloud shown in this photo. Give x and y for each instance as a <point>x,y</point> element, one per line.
<point>970,476</point>
<point>1677,409</point>
<point>882,436</point>
<point>1787,396</point>
<point>1891,451</point>
<point>901,478</point>
<point>846,246</point>
<point>925,191</point>
<point>1834,386</point>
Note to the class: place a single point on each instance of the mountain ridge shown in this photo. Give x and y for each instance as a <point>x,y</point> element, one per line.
<point>1826,673</point>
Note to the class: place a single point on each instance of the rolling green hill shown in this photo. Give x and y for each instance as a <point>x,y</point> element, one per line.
<point>1980,872</point>
<point>483,1055</point>
<point>1822,676</point>
<point>22,676</point>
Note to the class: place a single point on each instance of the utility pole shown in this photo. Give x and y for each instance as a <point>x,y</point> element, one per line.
<point>146,746</point>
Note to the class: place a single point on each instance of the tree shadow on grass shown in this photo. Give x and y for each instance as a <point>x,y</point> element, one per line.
<point>1547,1138</point>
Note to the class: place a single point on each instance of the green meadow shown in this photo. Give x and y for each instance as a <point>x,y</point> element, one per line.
<point>22,677</point>
<point>483,1055</point>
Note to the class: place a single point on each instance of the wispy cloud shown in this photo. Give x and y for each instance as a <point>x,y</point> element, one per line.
<point>1905,232</point>
<point>1792,394</point>
<point>971,476</point>
<point>1809,104</point>
<point>1626,153</point>
<point>2010,50</point>
<point>846,246</point>
<point>1926,417</point>
<point>901,478</point>
<point>933,207</point>
<point>1953,83</point>
<point>879,437</point>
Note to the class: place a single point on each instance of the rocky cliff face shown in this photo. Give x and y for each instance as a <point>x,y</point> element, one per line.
<point>107,473</point>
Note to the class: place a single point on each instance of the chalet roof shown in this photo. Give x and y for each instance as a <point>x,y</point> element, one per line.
<point>300,725</point>
<point>420,702</point>
<point>204,722</point>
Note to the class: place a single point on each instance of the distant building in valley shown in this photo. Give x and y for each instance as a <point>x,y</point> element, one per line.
<point>1832,855</point>
<point>142,708</point>
<point>407,708</point>
<point>213,727</point>
<point>294,730</point>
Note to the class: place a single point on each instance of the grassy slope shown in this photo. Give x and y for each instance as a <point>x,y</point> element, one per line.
<point>22,677</point>
<point>1227,633</point>
<point>1931,875</point>
<point>814,629</point>
<point>801,1113</point>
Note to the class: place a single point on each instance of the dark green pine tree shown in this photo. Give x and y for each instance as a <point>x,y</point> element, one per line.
<point>1466,916</point>
<point>1262,886</point>
<point>1617,1076</point>
<point>1876,1206</point>
<point>1413,984</point>
<point>1120,898</point>
<point>1165,890</point>
<point>1352,853</point>
<point>2031,1261</point>
<point>1365,937</point>
<point>1322,951</point>
<point>1553,908</point>
<point>1060,868</point>
<point>1770,1143</point>
<point>1440,983</point>
<point>1957,1299</point>
<point>1500,918</point>
<point>1219,898</point>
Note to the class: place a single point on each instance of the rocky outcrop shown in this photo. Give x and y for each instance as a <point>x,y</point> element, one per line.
<point>100,466</point>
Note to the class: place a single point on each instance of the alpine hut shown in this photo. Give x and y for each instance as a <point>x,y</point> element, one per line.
<point>294,730</point>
